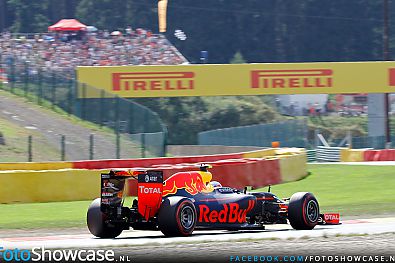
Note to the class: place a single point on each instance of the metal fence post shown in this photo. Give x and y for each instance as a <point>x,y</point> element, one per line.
<point>306,133</point>
<point>164,144</point>
<point>26,80</point>
<point>349,138</point>
<point>118,144</point>
<point>70,96</point>
<point>12,79</point>
<point>316,140</point>
<point>40,87</point>
<point>63,148</point>
<point>143,145</point>
<point>117,127</point>
<point>30,148</point>
<point>83,102</point>
<point>102,112</point>
<point>131,124</point>
<point>91,146</point>
<point>53,91</point>
<point>116,113</point>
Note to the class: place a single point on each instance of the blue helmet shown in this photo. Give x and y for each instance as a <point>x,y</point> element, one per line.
<point>215,184</point>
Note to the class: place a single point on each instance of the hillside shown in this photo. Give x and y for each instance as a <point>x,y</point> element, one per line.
<point>20,118</point>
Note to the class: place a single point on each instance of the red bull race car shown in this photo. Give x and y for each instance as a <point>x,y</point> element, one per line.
<point>191,200</point>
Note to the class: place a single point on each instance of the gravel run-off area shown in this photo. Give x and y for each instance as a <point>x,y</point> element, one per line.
<point>370,245</point>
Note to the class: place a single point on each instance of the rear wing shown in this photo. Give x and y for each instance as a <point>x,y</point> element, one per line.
<point>150,185</point>
<point>112,189</point>
<point>149,195</point>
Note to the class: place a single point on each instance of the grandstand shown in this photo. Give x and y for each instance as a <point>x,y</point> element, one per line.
<point>60,52</point>
<point>42,68</point>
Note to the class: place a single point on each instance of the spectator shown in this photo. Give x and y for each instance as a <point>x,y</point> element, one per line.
<point>62,53</point>
<point>312,110</point>
<point>129,31</point>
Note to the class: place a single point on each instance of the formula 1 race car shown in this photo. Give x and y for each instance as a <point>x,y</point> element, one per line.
<point>190,200</point>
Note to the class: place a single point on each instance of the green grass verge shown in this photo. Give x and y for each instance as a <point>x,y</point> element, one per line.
<point>49,108</point>
<point>46,215</point>
<point>43,215</point>
<point>348,189</point>
<point>16,148</point>
<point>16,144</point>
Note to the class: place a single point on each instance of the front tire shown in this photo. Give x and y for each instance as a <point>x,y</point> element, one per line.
<point>303,211</point>
<point>177,216</point>
<point>96,222</point>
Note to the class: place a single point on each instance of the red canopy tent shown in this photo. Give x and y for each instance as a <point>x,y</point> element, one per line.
<point>67,25</point>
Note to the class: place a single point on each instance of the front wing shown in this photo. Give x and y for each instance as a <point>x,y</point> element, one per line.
<point>329,219</point>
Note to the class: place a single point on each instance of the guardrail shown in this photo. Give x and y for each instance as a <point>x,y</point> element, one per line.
<point>311,155</point>
<point>328,154</point>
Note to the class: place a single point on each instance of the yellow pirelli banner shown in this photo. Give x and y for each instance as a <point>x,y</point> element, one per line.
<point>240,79</point>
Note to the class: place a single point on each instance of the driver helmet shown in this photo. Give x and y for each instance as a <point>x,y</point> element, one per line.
<point>215,184</point>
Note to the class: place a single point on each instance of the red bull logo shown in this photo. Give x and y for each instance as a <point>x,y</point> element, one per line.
<point>231,213</point>
<point>193,182</point>
<point>151,81</point>
<point>306,78</point>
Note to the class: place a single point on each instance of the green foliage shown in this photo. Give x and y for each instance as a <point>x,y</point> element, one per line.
<point>29,15</point>
<point>335,127</point>
<point>185,117</point>
<point>106,14</point>
<point>238,111</point>
<point>280,31</point>
<point>263,31</point>
<point>237,59</point>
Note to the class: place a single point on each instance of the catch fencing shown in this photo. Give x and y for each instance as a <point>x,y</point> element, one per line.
<point>58,147</point>
<point>376,142</point>
<point>60,91</point>
<point>291,133</point>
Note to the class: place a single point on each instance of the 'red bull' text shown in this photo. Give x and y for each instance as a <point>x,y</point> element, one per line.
<point>230,213</point>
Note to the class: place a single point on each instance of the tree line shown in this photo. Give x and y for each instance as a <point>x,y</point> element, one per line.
<point>259,30</point>
<point>232,31</point>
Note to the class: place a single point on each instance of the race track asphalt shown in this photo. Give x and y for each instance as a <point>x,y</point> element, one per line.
<point>155,238</point>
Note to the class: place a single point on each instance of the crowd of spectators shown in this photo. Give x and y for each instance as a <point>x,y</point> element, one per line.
<point>62,52</point>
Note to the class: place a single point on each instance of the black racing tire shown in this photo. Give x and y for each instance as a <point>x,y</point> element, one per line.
<point>303,211</point>
<point>177,216</point>
<point>96,222</point>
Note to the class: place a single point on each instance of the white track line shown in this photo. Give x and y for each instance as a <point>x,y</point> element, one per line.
<point>135,238</point>
<point>379,163</point>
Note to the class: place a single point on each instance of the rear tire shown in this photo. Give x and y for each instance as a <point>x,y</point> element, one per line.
<point>303,211</point>
<point>177,216</point>
<point>96,222</point>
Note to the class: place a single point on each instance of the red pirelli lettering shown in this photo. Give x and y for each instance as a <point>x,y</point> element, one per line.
<point>143,81</point>
<point>304,78</point>
<point>391,79</point>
